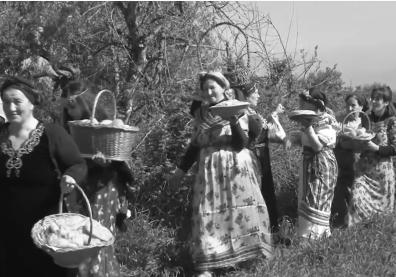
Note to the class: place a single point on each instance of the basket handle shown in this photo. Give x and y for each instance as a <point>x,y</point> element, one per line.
<point>353,112</point>
<point>88,206</point>
<point>96,102</point>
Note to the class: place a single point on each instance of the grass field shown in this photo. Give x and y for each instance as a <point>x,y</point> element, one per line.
<point>368,249</point>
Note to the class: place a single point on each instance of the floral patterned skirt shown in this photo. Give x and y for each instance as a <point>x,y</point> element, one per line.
<point>373,191</point>
<point>230,221</point>
<point>318,177</point>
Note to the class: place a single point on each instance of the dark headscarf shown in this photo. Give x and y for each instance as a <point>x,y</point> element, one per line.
<point>316,97</point>
<point>23,85</point>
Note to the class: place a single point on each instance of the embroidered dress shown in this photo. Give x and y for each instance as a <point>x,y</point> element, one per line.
<point>373,191</point>
<point>261,133</point>
<point>230,220</point>
<point>29,191</point>
<point>318,176</point>
<point>104,187</point>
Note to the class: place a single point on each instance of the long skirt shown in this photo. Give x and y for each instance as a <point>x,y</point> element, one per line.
<point>318,177</point>
<point>373,191</point>
<point>230,221</point>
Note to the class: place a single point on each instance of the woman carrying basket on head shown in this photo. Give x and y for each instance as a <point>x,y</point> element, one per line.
<point>373,190</point>
<point>106,183</point>
<point>261,133</point>
<point>34,155</point>
<point>230,220</point>
<point>319,170</point>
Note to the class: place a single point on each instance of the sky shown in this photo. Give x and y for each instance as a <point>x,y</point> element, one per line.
<point>358,36</point>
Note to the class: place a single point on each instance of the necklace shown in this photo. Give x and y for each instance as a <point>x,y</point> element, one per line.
<point>14,161</point>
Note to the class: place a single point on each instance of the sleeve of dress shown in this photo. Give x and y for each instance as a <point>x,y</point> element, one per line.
<point>239,133</point>
<point>390,149</point>
<point>189,158</point>
<point>66,153</point>
<point>255,126</point>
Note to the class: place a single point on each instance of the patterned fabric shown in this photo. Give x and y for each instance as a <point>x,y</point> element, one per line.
<point>318,176</point>
<point>104,188</point>
<point>15,162</point>
<point>230,220</point>
<point>373,191</point>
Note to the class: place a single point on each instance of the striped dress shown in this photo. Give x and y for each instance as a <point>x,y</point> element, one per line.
<point>318,177</point>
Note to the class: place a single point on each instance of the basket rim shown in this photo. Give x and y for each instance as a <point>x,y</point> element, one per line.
<point>38,229</point>
<point>128,128</point>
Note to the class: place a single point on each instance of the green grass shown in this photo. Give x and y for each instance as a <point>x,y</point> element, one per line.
<point>367,249</point>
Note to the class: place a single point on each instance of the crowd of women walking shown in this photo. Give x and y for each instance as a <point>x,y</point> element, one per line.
<point>234,206</point>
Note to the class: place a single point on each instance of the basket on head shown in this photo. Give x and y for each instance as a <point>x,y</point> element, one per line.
<point>355,142</point>
<point>69,257</point>
<point>115,142</point>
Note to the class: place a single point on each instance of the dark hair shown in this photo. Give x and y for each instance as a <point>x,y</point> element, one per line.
<point>385,93</point>
<point>23,85</point>
<point>362,101</point>
<point>247,89</point>
<point>315,97</point>
<point>80,93</point>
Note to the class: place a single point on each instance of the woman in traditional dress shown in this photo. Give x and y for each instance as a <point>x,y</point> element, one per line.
<point>373,190</point>
<point>261,133</point>
<point>106,183</point>
<point>229,220</point>
<point>319,170</point>
<point>39,161</point>
<point>346,159</point>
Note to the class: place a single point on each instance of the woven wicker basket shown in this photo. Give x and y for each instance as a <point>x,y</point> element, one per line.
<point>355,143</point>
<point>115,143</point>
<point>67,257</point>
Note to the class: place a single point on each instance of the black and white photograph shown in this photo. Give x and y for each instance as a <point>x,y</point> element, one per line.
<point>197,138</point>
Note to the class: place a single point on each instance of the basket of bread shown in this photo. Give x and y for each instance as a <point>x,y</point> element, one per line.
<point>111,137</point>
<point>229,108</point>
<point>355,136</point>
<point>71,238</point>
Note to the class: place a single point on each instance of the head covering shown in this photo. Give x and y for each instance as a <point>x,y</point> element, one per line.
<point>74,88</point>
<point>247,89</point>
<point>316,97</point>
<point>23,85</point>
<point>215,75</point>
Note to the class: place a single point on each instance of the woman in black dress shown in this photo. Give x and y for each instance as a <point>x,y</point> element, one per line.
<point>38,162</point>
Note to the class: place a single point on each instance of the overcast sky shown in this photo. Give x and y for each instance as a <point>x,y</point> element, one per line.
<point>358,36</point>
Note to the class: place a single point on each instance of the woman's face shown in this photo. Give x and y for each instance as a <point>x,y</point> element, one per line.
<point>212,91</point>
<point>378,104</point>
<point>253,98</point>
<point>73,109</point>
<point>352,105</point>
<point>17,107</point>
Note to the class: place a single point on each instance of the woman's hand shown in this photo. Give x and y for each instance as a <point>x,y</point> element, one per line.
<point>100,159</point>
<point>67,184</point>
<point>280,109</point>
<point>175,179</point>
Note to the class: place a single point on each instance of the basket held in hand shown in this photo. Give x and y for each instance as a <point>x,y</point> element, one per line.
<point>114,142</point>
<point>352,142</point>
<point>69,257</point>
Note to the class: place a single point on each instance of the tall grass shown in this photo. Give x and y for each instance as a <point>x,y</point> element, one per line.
<point>367,249</point>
